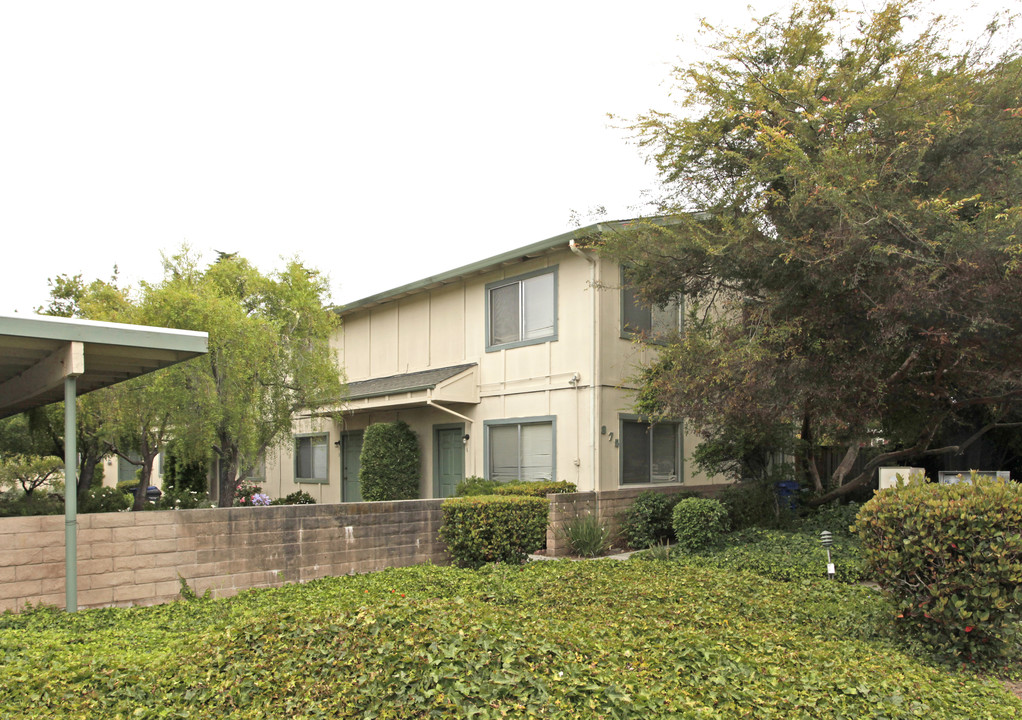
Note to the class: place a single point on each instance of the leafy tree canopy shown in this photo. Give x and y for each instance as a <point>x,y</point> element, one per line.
<point>269,355</point>
<point>846,230</point>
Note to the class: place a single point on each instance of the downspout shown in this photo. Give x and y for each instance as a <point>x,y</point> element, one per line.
<point>594,378</point>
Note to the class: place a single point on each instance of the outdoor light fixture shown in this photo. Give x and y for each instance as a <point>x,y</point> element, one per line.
<point>827,539</point>
<point>464,439</point>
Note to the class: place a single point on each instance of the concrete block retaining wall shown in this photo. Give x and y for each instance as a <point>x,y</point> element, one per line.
<point>138,558</point>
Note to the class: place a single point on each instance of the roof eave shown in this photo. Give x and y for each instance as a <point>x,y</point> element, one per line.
<point>534,250</point>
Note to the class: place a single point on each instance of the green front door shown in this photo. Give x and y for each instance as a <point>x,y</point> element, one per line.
<point>351,449</point>
<point>449,463</point>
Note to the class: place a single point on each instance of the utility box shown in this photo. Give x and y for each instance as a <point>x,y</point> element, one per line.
<point>889,475</point>
<point>953,477</point>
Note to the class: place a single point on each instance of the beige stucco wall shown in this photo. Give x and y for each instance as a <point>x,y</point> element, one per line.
<point>446,326</point>
<point>112,463</point>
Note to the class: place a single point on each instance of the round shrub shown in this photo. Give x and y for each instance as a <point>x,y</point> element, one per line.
<point>493,528</point>
<point>647,521</point>
<point>699,522</point>
<point>390,462</point>
<point>950,556</point>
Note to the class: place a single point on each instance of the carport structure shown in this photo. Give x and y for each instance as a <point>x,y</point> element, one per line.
<point>47,359</point>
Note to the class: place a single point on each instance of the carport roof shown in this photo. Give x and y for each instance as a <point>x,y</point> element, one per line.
<point>37,352</point>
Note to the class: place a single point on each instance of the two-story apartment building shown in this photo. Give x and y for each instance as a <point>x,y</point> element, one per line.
<point>517,366</point>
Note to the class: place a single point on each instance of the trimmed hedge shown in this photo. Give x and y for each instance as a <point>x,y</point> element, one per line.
<point>698,522</point>
<point>534,488</point>
<point>950,556</point>
<point>492,528</point>
<point>389,462</point>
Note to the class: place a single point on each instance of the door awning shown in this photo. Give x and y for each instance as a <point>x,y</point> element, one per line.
<point>452,384</point>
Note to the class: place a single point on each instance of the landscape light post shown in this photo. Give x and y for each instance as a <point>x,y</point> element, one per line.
<point>827,539</point>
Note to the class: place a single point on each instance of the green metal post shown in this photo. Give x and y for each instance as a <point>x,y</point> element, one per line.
<point>70,494</point>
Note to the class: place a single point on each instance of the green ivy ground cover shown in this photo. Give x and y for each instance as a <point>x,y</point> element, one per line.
<point>782,555</point>
<point>594,639</point>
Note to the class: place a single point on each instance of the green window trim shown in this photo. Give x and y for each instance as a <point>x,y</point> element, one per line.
<point>499,427</point>
<point>643,458</point>
<point>312,456</point>
<point>523,321</point>
<point>637,320</point>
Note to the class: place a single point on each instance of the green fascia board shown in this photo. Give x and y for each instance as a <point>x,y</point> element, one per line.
<point>496,261</point>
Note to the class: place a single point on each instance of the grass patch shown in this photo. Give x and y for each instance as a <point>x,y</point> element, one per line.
<point>596,639</point>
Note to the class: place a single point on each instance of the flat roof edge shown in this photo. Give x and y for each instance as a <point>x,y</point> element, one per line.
<point>104,333</point>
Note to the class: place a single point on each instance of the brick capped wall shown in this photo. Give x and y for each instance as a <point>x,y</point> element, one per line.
<point>138,558</point>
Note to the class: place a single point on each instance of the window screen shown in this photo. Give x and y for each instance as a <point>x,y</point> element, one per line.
<point>650,454</point>
<point>522,310</point>
<point>521,451</point>
<point>311,459</point>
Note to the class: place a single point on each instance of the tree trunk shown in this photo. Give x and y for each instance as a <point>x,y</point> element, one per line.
<point>808,454</point>
<point>227,471</point>
<point>847,462</point>
<point>149,453</point>
<point>89,456</point>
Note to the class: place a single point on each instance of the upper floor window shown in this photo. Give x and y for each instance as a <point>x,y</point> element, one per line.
<point>637,318</point>
<point>522,310</point>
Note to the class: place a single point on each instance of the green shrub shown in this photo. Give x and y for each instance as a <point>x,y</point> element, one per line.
<point>535,488</point>
<point>105,499</point>
<point>753,503</point>
<point>182,499</point>
<point>299,497</point>
<point>180,474</point>
<point>647,522</point>
<point>698,522</point>
<point>838,519</point>
<point>491,528</point>
<point>390,462</point>
<point>587,535</point>
<point>475,485</point>
<point>17,504</point>
<point>951,558</point>
<point>128,485</point>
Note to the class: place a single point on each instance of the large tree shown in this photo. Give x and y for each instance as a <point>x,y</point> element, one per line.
<point>846,232</point>
<point>134,419</point>
<point>269,356</point>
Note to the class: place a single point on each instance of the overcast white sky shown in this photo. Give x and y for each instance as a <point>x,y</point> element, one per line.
<point>381,142</point>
